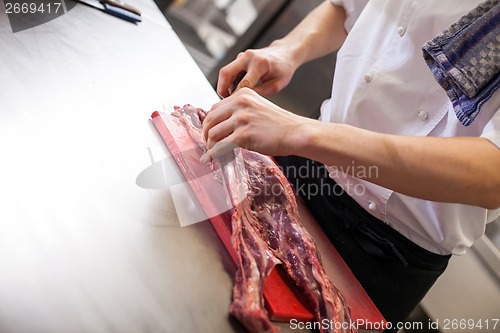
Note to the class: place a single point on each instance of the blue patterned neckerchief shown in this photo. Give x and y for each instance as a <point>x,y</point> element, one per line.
<point>465,59</point>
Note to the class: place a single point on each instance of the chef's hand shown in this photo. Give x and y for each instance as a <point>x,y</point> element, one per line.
<point>266,71</point>
<point>248,120</point>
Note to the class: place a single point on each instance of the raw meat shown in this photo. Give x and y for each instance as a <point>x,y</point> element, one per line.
<point>266,231</point>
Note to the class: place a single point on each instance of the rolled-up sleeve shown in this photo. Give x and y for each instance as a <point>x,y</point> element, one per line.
<point>353,9</point>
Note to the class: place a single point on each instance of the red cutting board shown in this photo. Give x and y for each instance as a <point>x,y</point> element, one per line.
<point>282,298</point>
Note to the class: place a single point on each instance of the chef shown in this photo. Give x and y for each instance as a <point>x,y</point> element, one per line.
<point>414,102</point>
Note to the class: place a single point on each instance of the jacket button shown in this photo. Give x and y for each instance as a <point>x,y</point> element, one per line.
<point>368,77</point>
<point>423,115</point>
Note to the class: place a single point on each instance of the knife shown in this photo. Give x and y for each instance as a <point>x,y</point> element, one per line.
<point>233,168</point>
<point>232,163</point>
<point>116,8</point>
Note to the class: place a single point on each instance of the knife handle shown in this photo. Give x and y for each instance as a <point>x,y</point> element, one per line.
<point>121,13</point>
<point>122,5</point>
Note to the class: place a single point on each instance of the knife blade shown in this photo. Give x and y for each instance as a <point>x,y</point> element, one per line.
<point>233,168</point>
<point>116,8</point>
<point>232,163</point>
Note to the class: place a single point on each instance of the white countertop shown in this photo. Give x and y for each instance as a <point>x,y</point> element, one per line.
<point>83,248</point>
<point>90,240</point>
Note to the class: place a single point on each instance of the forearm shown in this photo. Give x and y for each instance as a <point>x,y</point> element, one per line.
<point>319,33</point>
<point>461,169</point>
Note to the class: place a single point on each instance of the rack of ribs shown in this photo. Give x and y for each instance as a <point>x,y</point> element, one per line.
<point>266,232</point>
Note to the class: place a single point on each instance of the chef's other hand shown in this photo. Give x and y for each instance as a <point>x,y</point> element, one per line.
<point>248,120</point>
<point>266,71</point>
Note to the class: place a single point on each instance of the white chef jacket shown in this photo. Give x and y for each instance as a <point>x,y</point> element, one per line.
<point>382,84</point>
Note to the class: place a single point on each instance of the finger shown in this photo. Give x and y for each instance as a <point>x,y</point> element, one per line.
<point>229,73</point>
<point>219,149</point>
<point>217,114</point>
<point>269,87</point>
<point>236,82</point>
<point>220,132</point>
<point>252,78</point>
